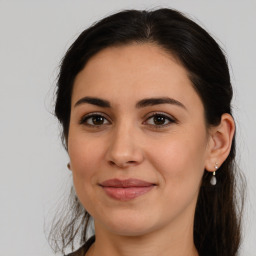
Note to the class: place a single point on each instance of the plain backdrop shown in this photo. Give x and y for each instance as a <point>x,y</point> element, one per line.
<point>34,35</point>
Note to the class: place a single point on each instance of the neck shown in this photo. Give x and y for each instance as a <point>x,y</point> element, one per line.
<point>164,243</point>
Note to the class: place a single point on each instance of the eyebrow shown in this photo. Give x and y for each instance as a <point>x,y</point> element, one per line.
<point>140,104</point>
<point>94,101</point>
<point>157,101</point>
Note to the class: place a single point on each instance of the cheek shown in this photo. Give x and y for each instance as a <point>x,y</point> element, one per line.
<point>180,161</point>
<point>84,157</point>
<point>180,166</point>
<point>85,161</point>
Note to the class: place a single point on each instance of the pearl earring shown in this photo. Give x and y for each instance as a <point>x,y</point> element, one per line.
<point>213,180</point>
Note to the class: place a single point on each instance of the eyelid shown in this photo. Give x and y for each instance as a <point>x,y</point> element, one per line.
<point>91,114</point>
<point>165,115</point>
<point>146,117</point>
<point>153,113</point>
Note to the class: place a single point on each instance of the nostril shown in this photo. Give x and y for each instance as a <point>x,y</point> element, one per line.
<point>122,165</point>
<point>112,163</point>
<point>131,162</point>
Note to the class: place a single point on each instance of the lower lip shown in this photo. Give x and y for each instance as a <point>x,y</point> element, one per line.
<point>125,194</point>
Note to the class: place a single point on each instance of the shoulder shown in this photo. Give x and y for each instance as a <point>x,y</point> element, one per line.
<point>82,250</point>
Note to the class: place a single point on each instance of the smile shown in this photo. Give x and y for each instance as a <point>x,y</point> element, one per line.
<point>125,190</point>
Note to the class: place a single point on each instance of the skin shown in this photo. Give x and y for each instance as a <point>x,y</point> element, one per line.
<point>127,142</point>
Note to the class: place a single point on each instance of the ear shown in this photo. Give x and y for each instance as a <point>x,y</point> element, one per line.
<point>69,166</point>
<point>220,142</point>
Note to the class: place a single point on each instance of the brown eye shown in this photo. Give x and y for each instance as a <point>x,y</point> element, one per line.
<point>98,120</point>
<point>159,120</point>
<point>94,120</point>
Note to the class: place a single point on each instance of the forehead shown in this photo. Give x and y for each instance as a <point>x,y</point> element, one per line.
<point>132,72</point>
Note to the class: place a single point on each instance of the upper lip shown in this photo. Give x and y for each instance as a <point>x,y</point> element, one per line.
<point>126,183</point>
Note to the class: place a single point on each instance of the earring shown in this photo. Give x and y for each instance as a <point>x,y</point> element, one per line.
<point>68,165</point>
<point>213,180</point>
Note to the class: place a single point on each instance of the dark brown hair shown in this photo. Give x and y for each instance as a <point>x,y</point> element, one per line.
<point>217,221</point>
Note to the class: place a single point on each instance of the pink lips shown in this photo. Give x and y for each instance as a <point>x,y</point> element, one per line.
<point>125,190</point>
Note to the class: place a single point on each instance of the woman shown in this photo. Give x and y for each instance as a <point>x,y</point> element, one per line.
<point>144,101</point>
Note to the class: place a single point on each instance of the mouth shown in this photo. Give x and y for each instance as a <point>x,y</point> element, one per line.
<point>125,190</point>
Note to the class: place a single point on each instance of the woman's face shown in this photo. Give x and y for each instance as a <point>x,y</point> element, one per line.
<point>137,140</point>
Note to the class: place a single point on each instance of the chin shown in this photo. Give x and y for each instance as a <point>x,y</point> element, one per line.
<point>126,225</point>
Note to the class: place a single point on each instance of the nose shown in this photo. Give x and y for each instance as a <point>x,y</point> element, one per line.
<point>124,149</point>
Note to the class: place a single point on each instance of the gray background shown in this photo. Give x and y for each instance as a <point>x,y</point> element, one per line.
<point>33,37</point>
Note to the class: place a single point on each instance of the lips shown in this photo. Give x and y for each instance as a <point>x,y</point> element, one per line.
<point>125,190</point>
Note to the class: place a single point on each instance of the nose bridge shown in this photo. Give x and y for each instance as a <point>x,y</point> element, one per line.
<point>124,149</point>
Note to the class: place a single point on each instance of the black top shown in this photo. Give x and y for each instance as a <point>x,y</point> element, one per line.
<point>83,250</point>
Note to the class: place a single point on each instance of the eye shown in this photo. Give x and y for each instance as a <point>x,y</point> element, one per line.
<point>94,120</point>
<point>159,120</point>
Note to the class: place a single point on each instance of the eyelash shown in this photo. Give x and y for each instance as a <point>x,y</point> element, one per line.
<point>85,119</point>
<point>168,118</point>
<point>162,115</point>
